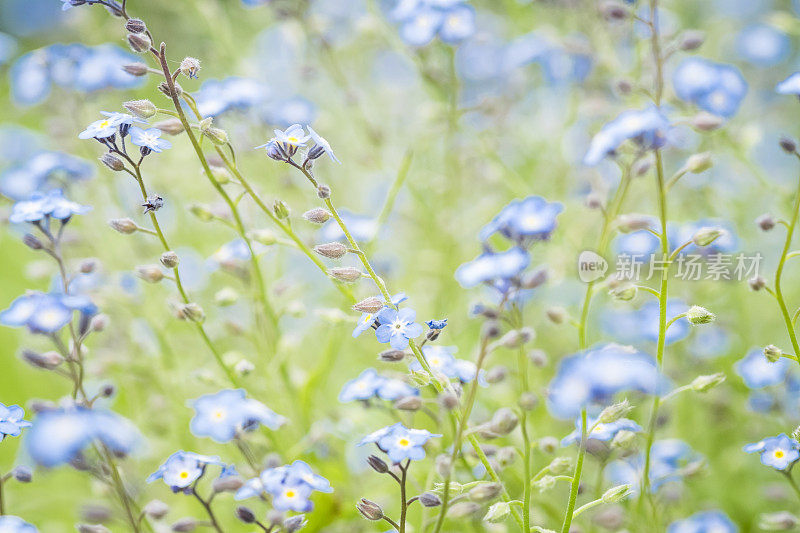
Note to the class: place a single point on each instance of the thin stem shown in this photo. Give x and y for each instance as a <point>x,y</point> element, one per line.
<point>576,477</point>
<point>403,502</point>
<point>207,506</point>
<point>779,273</point>
<point>792,482</point>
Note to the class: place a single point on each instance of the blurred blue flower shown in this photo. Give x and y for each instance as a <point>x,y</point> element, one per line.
<point>182,469</point>
<point>757,372</point>
<point>218,96</point>
<point>40,171</point>
<point>11,422</point>
<point>713,87</point>
<point>292,110</point>
<point>99,129</point>
<point>361,227</point>
<point>668,461</point>
<point>533,218</point>
<point>601,432</point>
<point>148,140</point>
<point>8,46</point>
<point>492,267</point>
<point>422,20</point>
<point>364,323</point>
<point>592,377</point>
<point>290,486</point>
<point>42,206</point>
<point>763,45</point>
<point>790,85</point>
<point>725,243</point>
<point>225,414</point>
<point>370,384</point>
<point>230,254</point>
<point>779,452</point>
<point>399,442</point>
<point>45,313</point>
<point>58,436</point>
<point>635,325</point>
<point>442,361</point>
<point>397,327</point>
<point>458,24</point>
<point>15,524</point>
<point>647,127</point>
<point>704,522</point>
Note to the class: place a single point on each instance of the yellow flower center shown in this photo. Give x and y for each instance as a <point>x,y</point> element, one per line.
<point>219,414</point>
<point>184,474</point>
<point>290,493</point>
<point>779,454</point>
<point>403,442</point>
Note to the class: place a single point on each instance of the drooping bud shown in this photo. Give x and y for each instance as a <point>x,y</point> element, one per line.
<point>498,513</point>
<point>170,259</point>
<point>528,401</point>
<point>706,383</point>
<point>691,40</point>
<point>32,241</point>
<point>496,374</point>
<point>150,273</point>
<point>559,465</point>
<point>616,494</point>
<point>503,421</point>
<point>624,292</point>
<point>139,42</point>
<point>216,135</point>
<point>409,403</point>
<point>556,314</point>
<point>629,223</point>
<point>22,473</point>
<point>369,509</point>
<point>699,315</point>
<point>788,145</point>
<point>392,356</point>
<point>293,524</point>
<point>156,509</point>
<point>545,483</point>
<point>245,515</point>
<point>125,226</point>
<point>348,274</point>
<point>193,312</point>
<point>780,521</point>
<point>377,464</point>
<point>548,444</point>
<point>463,509</point>
<point>757,283</point>
<point>485,492</point>
<point>772,353</point>
<point>698,163</point>
<point>331,250</point>
<point>766,222</point>
<point>624,440</point>
<point>140,108</point>
<point>190,66</point>
<point>185,524</point>
<point>705,236</point>
<point>135,26</point>
<point>280,209</point>
<point>706,121</point>
<point>135,69</point>
<point>171,126</point>
<point>369,305</point>
<point>324,192</point>
<point>429,499</point>
<point>113,162</point>
<point>317,215</point>
<point>613,11</point>
<point>227,484</point>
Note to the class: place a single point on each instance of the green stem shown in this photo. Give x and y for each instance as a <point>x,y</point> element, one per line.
<point>576,477</point>
<point>779,273</point>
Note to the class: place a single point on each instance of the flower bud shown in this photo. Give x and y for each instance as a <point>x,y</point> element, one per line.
<point>32,242</point>
<point>280,209</point>
<point>202,212</point>
<point>139,42</point>
<point>705,236</point>
<point>706,121</point>
<point>136,69</point>
<point>243,367</point>
<point>170,259</point>
<point>624,292</point>
<point>226,296</point>
<point>409,403</point>
<point>780,521</point>
<point>156,509</point>
<point>92,528</point>
<point>125,226</point>
<point>528,401</point>
<point>614,412</point>
<point>706,383</point>
<point>545,483</point>
<point>324,192</point>
<point>613,11</point>
<point>503,421</point>
<point>193,312</point>
<point>217,136</point>
<point>463,509</point>
<point>185,524</point>
<point>538,358</point>
<point>448,400</point>
<point>113,162</point>
<point>22,473</point>
<point>698,163</point>
<point>369,510</point>
<point>392,356</point>
<point>548,444</point>
<point>772,353</point>
<point>135,26</point>
<point>140,108</point>
<point>534,279</point>
<point>429,499</point>
<point>788,145</point>
<point>166,90</point>
<point>245,515</point>
<point>624,440</point>
<point>317,215</point>
<point>616,494</point>
<point>227,484</point>
<point>369,305</point>
<point>498,513</point>
<point>629,223</point>
<point>331,250</point>
<point>485,492</point>
<point>516,338</point>
<point>496,374</point>
<point>556,315</point>
<point>150,273</point>
<point>171,126</point>
<point>190,66</point>
<point>559,465</point>
<point>700,315</point>
<point>294,523</point>
<point>691,40</point>
<point>757,283</point>
<point>377,464</point>
<point>348,274</point>
<point>99,323</point>
<point>765,222</point>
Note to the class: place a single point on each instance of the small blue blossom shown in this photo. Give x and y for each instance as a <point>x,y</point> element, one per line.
<point>292,138</point>
<point>704,522</point>
<point>458,24</point>
<point>42,206</point>
<point>216,97</point>
<point>181,469</point>
<point>15,524</point>
<point>713,87</point>
<point>40,171</point>
<point>757,372</point>
<point>362,227</point>
<point>436,324</point>
<point>99,129</point>
<point>533,218</point>
<point>636,325</point>
<point>394,389</point>
<point>594,376</point>
<point>11,422</point>
<point>399,442</point>
<point>397,327</point>
<point>290,486</point>
<point>364,323</point>
<point>58,436</point>
<point>491,267</point>
<point>222,416</point>
<point>647,127</point>
<point>779,452</point>
<point>668,461</point>
<point>601,432</point>
<point>790,85</point>
<point>45,313</point>
<point>363,387</point>
<point>442,361</point>
<point>763,45</point>
<point>148,140</point>
<point>322,143</point>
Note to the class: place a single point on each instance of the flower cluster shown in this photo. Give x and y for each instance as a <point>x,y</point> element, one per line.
<point>290,486</point>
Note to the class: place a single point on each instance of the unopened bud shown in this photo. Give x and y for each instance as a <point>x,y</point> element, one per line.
<point>348,274</point>
<point>294,523</point>
<point>266,237</point>
<point>409,403</point>
<point>202,212</point>
<point>156,509</point>
<point>485,492</point>
<point>613,11</point>
<point>140,108</point>
<point>706,121</point>
<point>170,259</point>
<point>538,358</point>
<point>503,421</point>
<point>217,136</point>
<point>448,400</point>
<point>534,279</point>
<point>135,26</point>
<point>706,383</point>
<point>545,483</point>
<point>244,367</point>
<point>280,209</point>
<point>556,315</point>
<point>780,521</point>
<point>227,484</point>
<point>700,315</point>
<point>171,126</point>
<point>22,473</point>
<point>185,524</point>
<point>324,192</point>
<point>193,312</point>
<point>463,509</point>
<point>136,69</point>
<point>757,283</point>
<point>498,513</point>
<point>559,465</point>
<point>226,296</point>
<point>150,273</point>
<point>772,353</point>
<point>624,440</point>
<point>32,242</point>
<point>139,42</point>
<point>629,223</point>
<point>331,250</point>
<point>123,225</point>
<point>765,222</point>
<point>548,444</point>
<point>496,374</point>
<point>614,412</point>
<point>705,236</point>
<point>245,515</point>
<point>369,509</point>
<point>788,145</point>
<point>377,464</point>
<point>392,356</point>
<point>698,163</point>
<point>99,322</point>
<point>616,494</point>
<point>113,162</point>
<point>691,40</point>
<point>92,528</point>
<point>317,215</point>
<point>166,90</point>
<point>190,66</point>
<point>624,293</point>
<point>528,401</point>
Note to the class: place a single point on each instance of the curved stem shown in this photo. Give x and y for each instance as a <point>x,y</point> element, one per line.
<point>576,477</point>
<point>779,273</point>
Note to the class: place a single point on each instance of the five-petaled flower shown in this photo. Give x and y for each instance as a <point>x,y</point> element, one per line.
<point>779,452</point>
<point>399,442</point>
<point>222,416</point>
<point>148,140</point>
<point>397,327</point>
<point>11,422</point>
<point>181,469</point>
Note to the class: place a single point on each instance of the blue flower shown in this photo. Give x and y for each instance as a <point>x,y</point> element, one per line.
<point>219,96</point>
<point>58,436</point>
<point>148,140</point>
<point>458,24</point>
<point>45,313</point>
<point>181,469</point>
<point>399,442</point>
<point>636,325</point>
<point>779,452</point>
<point>704,522</point>
<point>436,324</point>
<point>442,361</point>
<point>42,206</point>
<point>364,387</point>
<point>790,85</point>
<point>601,432</point>
<point>39,171</point>
<point>290,486</point>
<point>593,377</point>
<point>322,143</point>
<point>723,244</point>
<point>15,524</point>
<point>99,129</point>
<point>491,267</point>
<point>11,422</point>
<point>713,87</point>
<point>668,461</point>
<point>397,327</point>
<point>394,389</point>
<point>362,228</point>
<point>532,218</point>
<point>763,45</point>
<point>222,416</point>
<point>757,372</point>
<point>292,138</point>
<point>647,127</point>
<point>364,323</point>
<point>420,29</point>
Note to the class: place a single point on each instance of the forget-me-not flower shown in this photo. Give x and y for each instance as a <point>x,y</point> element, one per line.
<point>763,45</point>
<point>397,327</point>
<point>149,140</point>
<point>290,486</point>
<point>600,431</point>
<point>399,442</point>
<point>15,524</point>
<point>11,421</point>
<point>704,522</point>
<point>758,372</point>
<point>647,127</point>
<point>532,218</point>
<point>779,452</point>
<point>790,85</point>
<point>322,143</point>
<point>181,469</point>
<point>492,267</point>
<point>713,87</point>
<point>41,206</point>
<point>45,313</point>
<point>668,461</point>
<point>223,415</point>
